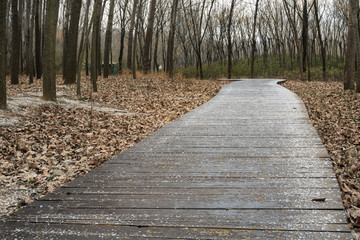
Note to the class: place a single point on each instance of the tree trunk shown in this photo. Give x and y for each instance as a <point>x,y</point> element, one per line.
<point>156,65</point>
<point>31,47</point>
<point>200,66</point>
<point>351,44</point>
<point>83,33</point>
<point>21,14</point>
<point>131,35</point>
<point>70,76</point>
<point>87,59</point>
<point>170,47</point>
<point>86,34</point>
<point>3,55</point>
<point>15,43</point>
<point>305,35</point>
<point>229,39</point>
<point>148,38</point>
<point>98,43</point>
<point>253,47</point>
<point>94,50</point>
<point>135,39</point>
<point>49,83</point>
<point>108,39</point>
<point>121,54</point>
<point>322,48</point>
<point>38,42</point>
<point>292,22</point>
<point>27,36</point>
<point>122,37</point>
<point>66,21</point>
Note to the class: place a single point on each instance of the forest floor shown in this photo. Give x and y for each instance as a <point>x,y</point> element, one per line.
<point>45,145</point>
<point>335,113</point>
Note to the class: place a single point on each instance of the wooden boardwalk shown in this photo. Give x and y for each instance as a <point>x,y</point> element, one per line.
<point>245,165</point>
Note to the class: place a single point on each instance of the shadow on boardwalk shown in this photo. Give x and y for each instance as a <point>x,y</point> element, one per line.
<point>247,164</point>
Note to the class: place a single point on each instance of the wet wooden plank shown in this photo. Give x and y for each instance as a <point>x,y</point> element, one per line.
<point>216,182</point>
<point>196,198</point>
<point>62,231</point>
<point>292,220</point>
<point>214,162</point>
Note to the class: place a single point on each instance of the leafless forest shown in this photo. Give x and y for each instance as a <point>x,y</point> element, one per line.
<point>198,38</point>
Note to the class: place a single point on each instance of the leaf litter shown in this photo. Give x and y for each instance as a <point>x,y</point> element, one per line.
<point>45,145</point>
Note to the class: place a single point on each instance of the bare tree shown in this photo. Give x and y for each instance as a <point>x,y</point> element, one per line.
<point>27,34</point>
<point>197,22</point>
<point>351,44</point>
<point>229,38</point>
<point>66,22</point>
<point>49,82</point>
<point>38,40</point>
<point>3,55</point>
<point>138,16</point>
<point>131,35</point>
<point>83,34</point>
<point>30,49</point>
<point>123,23</point>
<point>94,45</point>
<point>171,40</point>
<point>85,41</point>
<point>108,39</point>
<point>70,76</point>
<point>292,22</point>
<point>253,40</point>
<point>305,35</point>
<point>15,43</point>
<point>148,38</point>
<point>321,42</point>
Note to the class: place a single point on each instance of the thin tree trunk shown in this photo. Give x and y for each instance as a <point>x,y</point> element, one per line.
<point>66,20</point>
<point>253,47</point>
<point>31,47</point>
<point>351,44</point>
<point>322,48</point>
<point>38,42</point>
<point>170,48</point>
<point>83,33</point>
<point>131,35</point>
<point>148,38</point>
<point>70,76</point>
<point>21,14</point>
<point>86,33</point>
<point>49,83</point>
<point>122,37</point>
<point>305,35</point>
<point>98,42</point>
<point>27,37</point>
<point>94,50</point>
<point>108,39</point>
<point>3,44</point>
<point>87,59</point>
<point>15,43</point>
<point>133,64</point>
<point>229,39</point>
<point>295,33</point>
<point>121,54</point>
<point>156,65</point>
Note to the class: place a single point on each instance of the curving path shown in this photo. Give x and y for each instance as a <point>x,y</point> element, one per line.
<point>247,164</point>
